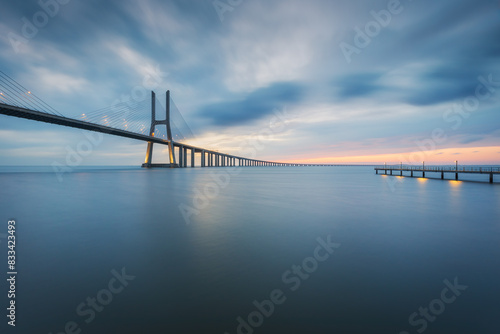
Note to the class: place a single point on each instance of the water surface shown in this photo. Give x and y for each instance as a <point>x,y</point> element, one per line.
<point>204,244</point>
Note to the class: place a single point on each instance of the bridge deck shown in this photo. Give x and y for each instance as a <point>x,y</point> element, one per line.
<point>9,110</point>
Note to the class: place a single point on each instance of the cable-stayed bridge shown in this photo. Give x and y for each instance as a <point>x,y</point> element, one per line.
<point>127,120</point>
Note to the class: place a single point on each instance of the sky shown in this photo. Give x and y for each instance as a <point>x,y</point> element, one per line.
<point>307,81</point>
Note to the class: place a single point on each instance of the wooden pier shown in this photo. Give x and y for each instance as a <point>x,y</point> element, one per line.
<point>415,171</point>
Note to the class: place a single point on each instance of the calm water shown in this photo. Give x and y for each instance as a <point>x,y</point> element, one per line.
<point>396,242</point>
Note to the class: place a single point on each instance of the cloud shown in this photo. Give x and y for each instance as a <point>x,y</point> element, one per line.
<point>471,139</point>
<point>226,77</point>
<point>357,85</point>
<point>255,105</point>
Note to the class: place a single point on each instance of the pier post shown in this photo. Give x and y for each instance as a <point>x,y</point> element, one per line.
<point>442,175</point>
<point>456,176</point>
<point>202,158</point>
<point>192,157</point>
<point>491,177</point>
<point>423,173</point>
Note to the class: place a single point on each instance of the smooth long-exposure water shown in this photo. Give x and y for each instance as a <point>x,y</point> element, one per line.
<point>250,250</point>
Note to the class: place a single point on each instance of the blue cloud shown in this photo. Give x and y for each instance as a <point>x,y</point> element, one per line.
<point>357,85</point>
<point>255,105</point>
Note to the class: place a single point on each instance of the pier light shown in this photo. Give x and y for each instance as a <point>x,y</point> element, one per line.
<point>456,164</point>
<point>423,164</point>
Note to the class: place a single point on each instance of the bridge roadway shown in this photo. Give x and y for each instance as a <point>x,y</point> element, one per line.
<point>208,158</point>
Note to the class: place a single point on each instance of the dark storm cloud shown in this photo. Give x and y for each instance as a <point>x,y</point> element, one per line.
<point>255,105</point>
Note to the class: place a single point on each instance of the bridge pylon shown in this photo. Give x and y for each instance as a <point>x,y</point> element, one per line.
<point>154,122</point>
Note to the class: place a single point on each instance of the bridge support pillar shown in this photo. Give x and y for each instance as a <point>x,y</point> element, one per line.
<point>181,158</point>
<point>442,175</point>
<point>491,177</point>
<point>192,157</point>
<point>456,176</point>
<point>185,157</point>
<point>149,155</point>
<point>154,123</point>
<point>423,174</point>
<point>203,158</point>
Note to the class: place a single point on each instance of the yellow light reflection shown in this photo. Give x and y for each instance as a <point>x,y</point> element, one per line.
<point>455,183</point>
<point>423,180</point>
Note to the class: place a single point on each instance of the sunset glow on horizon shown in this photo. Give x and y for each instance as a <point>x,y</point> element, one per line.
<point>465,156</point>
